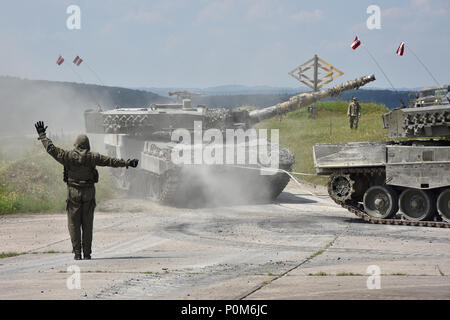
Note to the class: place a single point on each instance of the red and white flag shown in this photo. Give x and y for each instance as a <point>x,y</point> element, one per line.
<point>355,43</point>
<point>60,60</point>
<point>401,49</point>
<point>77,60</point>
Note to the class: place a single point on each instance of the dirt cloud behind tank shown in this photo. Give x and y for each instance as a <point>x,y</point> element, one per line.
<point>60,103</point>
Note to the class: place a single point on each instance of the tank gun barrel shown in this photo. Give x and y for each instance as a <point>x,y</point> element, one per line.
<point>304,99</point>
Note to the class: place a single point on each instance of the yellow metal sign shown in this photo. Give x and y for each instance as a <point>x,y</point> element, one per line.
<point>315,73</point>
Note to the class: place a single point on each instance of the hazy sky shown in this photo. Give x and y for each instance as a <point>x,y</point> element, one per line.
<point>190,43</point>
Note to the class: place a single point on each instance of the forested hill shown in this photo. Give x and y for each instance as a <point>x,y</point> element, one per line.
<point>60,104</point>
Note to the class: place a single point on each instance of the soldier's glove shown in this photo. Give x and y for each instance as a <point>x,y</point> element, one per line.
<point>40,127</point>
<point>132,163</point>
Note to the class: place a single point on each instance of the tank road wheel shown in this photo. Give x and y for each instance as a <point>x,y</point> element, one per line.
<point>443,205</point>
<point>340,187</point>
<point>380,202</point>
<point>416,204</point>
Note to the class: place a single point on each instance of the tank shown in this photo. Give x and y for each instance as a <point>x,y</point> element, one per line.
<point>231,167</point>
<point>402,181</point>
<point>430,96</point>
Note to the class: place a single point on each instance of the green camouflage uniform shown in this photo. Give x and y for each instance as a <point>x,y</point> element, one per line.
<point>80,175</point>
<point>354,113</point>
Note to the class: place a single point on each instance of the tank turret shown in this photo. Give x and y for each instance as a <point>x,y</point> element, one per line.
<point>431,121</point>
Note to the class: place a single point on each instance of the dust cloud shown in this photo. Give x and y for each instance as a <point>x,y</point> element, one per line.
<point>218,186</point>
<point>200,186</point>
<point>60,105</point>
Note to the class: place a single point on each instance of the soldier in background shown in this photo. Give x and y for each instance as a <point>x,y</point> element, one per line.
<point>354,113</point>
<point>80,175</point>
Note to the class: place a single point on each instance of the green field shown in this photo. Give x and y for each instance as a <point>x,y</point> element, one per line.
<point>32,181</point>
<point>299,132</point>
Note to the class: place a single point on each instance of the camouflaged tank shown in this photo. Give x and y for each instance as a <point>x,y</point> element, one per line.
<point>404,181</point>
<point>163,134</point>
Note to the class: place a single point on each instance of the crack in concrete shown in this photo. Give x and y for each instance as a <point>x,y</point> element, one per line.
<point>314,255</point>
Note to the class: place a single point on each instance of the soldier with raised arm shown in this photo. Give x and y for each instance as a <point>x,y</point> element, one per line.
<point>80,174</point>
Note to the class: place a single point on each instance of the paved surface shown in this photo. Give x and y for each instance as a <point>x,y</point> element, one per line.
<point>301,247</point>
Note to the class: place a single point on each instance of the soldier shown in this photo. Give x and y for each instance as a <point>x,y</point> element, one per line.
<point>354,113</point>
<point>80,175</point>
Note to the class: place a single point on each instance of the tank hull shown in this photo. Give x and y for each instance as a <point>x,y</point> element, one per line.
<point>413,175</point>
<point>160,179</point>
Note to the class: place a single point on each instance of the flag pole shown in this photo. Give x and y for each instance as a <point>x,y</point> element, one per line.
<point>82,82</point>
<point>379,67</point>
<point>424,66</point>
<point>387,78</point>
<point>77,74</point>
<point>85,62</point>
<point>94,73</point>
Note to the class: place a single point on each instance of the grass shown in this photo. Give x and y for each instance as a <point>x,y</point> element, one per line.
<point>14,254</point>
<point>317,253</point>
<point>398,274</point>
<point>49,252</point>
<point>348,274</point>
<point>299,132</point>
<point>320,251</point>
<point>318,274</point>
<point>9,254</point>
<point>440,271</point>
<point>270,274</point>
<point>33,182</point>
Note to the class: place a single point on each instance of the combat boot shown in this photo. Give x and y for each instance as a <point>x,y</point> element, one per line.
<point>87,257</point>
<point>77,256</point>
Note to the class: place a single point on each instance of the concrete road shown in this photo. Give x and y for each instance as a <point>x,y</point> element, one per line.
<point>301,247</point>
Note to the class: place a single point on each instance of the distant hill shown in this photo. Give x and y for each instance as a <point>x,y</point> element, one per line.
<point>262,96</point>
<point>389,98</point>
<point>228,90</point>
<point>60,104</point>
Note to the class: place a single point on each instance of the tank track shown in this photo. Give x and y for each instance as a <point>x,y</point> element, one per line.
<point>176,189</point>
<point>358,209</point>
<point>168,185</point>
